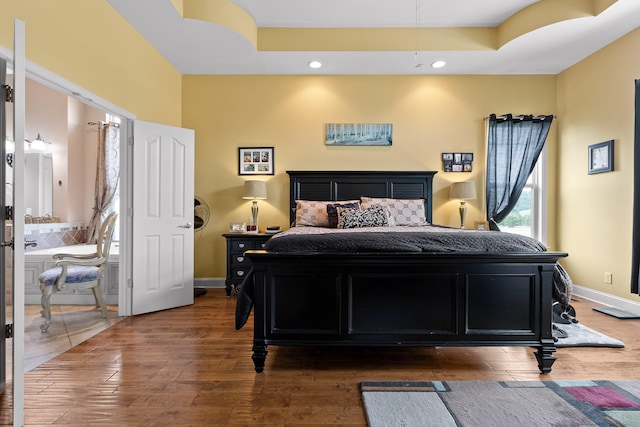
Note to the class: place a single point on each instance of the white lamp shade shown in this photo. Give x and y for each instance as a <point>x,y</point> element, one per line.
<point>38,145</point>
<point>463,191</point>
<point>10,146</point>
<point>255,190</point>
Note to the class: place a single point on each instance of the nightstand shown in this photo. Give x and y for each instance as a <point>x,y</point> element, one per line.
<point>237,264</point>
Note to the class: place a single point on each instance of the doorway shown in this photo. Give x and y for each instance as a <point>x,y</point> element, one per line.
<point>58,207</point>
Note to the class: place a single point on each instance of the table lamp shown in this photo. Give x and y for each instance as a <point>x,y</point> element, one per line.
<point>254,190</point>
<point>463,191</point>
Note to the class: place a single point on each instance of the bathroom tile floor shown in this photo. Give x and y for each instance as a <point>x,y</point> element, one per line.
<point>70,326</point>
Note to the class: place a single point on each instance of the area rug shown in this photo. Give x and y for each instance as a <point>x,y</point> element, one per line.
<point>506,403</point>
<point>578,335</point>
<point>617,312</point>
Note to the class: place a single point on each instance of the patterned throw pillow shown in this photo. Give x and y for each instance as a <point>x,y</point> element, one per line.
<point>332,211</point>
<point>313,213</point>
<point>409,212</point>
<point>374,216</point>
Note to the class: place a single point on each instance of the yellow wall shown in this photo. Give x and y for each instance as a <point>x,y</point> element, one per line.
<point>430,114</point>
<point>595,104</point>
<point>91,45</point>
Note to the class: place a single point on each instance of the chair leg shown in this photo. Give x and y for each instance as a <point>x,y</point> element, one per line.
<point>97,293</point>
<point>46,307</point>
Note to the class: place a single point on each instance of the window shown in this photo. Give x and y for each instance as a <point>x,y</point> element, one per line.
<point>529,216</point>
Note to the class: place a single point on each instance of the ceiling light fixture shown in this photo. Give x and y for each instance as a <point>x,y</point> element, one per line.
<point>315,64</point>
<point>38,144</point>
<point>416,56</point>
<point>438,64</point>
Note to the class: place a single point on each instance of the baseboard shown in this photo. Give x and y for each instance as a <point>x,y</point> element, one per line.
<point>209,282</point>
<point>606,299</point>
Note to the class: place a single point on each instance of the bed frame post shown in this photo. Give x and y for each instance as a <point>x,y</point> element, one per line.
<point>544,355</point>
<point>259,344</point>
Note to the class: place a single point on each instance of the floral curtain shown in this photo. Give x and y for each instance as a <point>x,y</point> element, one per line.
<point>514,145</point>
<point>107,175</point>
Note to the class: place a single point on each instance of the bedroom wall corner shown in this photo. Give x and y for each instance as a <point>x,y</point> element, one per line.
<point>595,104</point>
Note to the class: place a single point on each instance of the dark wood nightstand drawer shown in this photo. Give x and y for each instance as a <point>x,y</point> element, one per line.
<point>239,260</point>
<point>241,245</point>
<point>239,273</point>
<point>238,265</point>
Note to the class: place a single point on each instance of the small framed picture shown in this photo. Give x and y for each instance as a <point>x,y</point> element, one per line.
<point>481,225</point>
<point>255,161</point>
<point>457,162</point>
<point>238,227</point>
<point>601,157</point>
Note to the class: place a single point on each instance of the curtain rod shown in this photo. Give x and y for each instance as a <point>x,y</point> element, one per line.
<point>521,116</point>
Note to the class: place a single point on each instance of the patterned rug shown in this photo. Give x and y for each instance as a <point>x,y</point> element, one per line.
<point>506,403</point>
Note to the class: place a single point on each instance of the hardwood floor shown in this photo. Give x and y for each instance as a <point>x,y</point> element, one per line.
<point>189,366</point>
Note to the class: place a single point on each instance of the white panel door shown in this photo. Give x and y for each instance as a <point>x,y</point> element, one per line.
<point>19,78</point>
<point>163,175</point>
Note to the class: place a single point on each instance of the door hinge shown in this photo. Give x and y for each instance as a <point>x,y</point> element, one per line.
<point>5,244</point>
<point>8,213</point>
<point>130,283</point>
<point>130,141</point>
<point>8,330</point>
<point>9,92</point>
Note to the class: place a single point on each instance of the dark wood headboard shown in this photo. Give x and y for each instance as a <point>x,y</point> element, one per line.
<point>347,185</point>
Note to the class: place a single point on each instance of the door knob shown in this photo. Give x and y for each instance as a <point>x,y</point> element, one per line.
<point>187,225</point>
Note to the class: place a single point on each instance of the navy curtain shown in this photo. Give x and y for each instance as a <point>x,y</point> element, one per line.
<point>514,145</point>
<point>635,240</point>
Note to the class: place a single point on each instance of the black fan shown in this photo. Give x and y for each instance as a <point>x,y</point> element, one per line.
<point>200,214</point>
<point>200,220</point>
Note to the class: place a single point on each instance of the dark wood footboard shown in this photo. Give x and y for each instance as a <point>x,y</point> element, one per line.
<point>408,299</point>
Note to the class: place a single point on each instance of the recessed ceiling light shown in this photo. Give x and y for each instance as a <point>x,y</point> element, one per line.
<point>315,64</point>
<point>438,64</point>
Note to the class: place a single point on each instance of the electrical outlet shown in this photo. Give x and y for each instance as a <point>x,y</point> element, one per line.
<point>608,279</point>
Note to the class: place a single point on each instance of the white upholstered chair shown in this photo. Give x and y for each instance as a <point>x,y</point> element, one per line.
<point>73,271</point>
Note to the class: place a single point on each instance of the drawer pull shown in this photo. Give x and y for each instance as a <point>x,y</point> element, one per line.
<point>240,273</point>
<point>262,245</point>
<point>241,245</point>
<point>240,259</point>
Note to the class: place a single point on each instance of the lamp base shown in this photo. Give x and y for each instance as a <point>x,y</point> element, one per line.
<point>253,227</point>
<point>463,212</point>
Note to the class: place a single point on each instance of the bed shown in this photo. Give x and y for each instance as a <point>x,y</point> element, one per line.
<point>357,290</point>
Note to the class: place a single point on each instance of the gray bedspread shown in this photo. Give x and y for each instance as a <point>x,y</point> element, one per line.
<point>430,239</point>
<point>434,240</point>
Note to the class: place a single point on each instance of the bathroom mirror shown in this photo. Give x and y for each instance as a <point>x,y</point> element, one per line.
<point>38,184</point>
